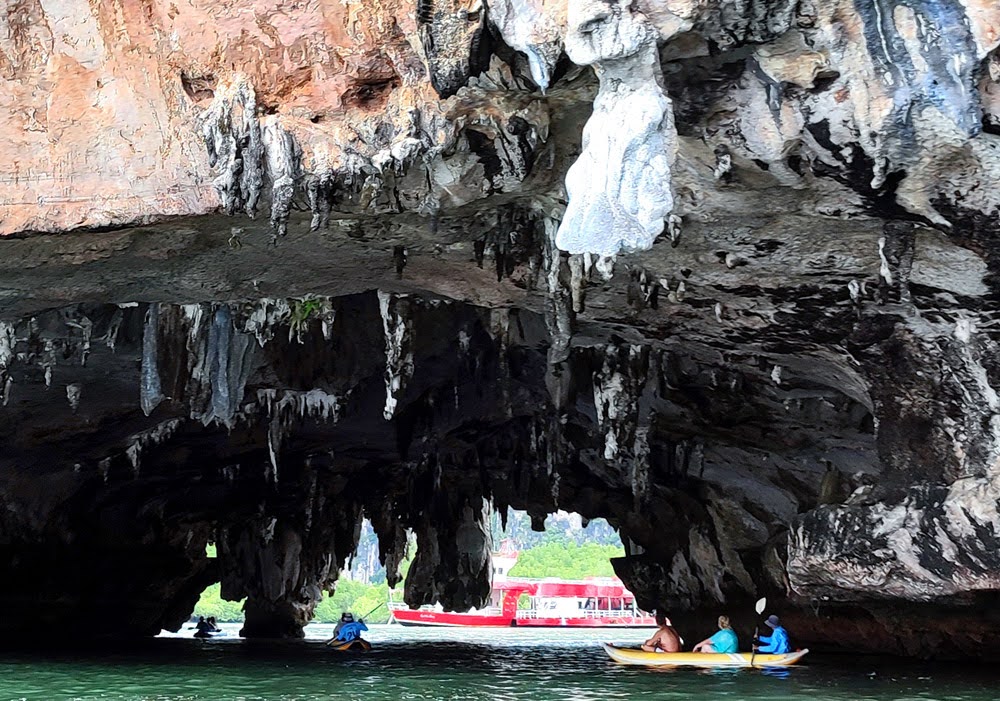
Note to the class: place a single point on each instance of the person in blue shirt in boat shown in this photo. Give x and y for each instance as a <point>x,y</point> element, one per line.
<point>350,631</point>
<point>345,618</point>
<point>723,641</point>
<point>347,628</point>
<point>777,642</point>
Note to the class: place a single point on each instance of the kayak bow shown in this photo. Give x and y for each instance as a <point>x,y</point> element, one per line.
<point>631,656</point>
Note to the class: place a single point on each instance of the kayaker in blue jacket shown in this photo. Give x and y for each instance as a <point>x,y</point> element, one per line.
<point>723,641</point>
<point>777,642</point>
<point>345,618</point>
<point>351,631</point>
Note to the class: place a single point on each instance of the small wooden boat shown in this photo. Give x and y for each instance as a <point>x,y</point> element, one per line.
<point>631,656</point>
<point>356,645</point>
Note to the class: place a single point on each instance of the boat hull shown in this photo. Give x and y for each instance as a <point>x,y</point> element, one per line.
<point>408,617</point>
<point>630,656</point>
<point>356,645</point>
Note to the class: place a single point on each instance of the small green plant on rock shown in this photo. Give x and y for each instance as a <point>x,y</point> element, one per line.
<point>302,310</point>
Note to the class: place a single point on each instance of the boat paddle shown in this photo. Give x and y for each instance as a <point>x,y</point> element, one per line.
<point>373,611</point>
<point>759,607</point>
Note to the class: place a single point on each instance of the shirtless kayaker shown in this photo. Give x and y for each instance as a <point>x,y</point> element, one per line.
<point>665,639</point>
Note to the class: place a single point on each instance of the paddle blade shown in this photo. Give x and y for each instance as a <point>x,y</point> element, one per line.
<point>761,605</point>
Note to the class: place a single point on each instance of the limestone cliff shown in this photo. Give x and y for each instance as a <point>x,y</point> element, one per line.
<point>721,271</point>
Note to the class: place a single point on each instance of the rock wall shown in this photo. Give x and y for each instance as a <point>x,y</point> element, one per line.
<point>462,297</point>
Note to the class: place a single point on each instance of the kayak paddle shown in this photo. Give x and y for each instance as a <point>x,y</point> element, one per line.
<point>759,607</point>
<point>373,611</point>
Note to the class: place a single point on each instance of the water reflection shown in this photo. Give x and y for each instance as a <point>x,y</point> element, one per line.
<point>779,672</point>
<point>721,671</point>
<point>454,665</point>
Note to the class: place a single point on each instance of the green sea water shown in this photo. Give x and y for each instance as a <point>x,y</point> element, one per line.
<point>455,664</point>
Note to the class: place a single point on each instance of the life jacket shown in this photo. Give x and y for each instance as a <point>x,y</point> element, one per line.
<point>351,631</point>
<point>780,641</point>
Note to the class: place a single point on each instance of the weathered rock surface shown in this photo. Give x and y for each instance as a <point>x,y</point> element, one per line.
<point>473,303</point>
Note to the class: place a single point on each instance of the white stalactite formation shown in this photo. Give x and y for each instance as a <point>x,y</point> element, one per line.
<point>7,342</point>
<point>397,325</point>
<point>619,188</point>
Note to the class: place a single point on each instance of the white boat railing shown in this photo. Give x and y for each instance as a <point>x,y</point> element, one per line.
<point>629,612</point>
<point>580,613</point>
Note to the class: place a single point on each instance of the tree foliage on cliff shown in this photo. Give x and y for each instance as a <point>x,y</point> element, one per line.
<point>567,561</point>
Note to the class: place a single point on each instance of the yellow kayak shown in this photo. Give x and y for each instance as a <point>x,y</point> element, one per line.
<point>356,645</point>
<point>624,655</point>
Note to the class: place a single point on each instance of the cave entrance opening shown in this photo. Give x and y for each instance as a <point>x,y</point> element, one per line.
<point>211,605</point>
<point>570,547</point>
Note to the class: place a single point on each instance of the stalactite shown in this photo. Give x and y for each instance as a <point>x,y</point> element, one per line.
<point>527,28</point>
<point>500,330</point>
<point>455,42</point>
<point>397,324</point>
<point>393,540</point>
<point>114,328</point>
<point>577,283</point>
<point>156,436</point>
<point>150,391</point>
<point>605,267</point>
<point>559,319</point>
<point>229,358</point>
<point>287,404</point>
<point>206,358</point>
<point>7,344</point>
<point>321,191</point>
<point>639,466</point>
<point>281,567</point>
<point>630,138</point>
<point>283,408</point>
<point>86,327</point>
<point>74,391</point>
<point>232,134</point>
<point>48,359</point>
<point>282,156</point>
<point>617,386</point>
<point>452,564</point>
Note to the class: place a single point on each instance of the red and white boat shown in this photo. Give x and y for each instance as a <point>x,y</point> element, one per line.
<point>595,602</point>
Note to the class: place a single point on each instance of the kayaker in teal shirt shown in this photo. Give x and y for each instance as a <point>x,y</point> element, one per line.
<point>723,641</point>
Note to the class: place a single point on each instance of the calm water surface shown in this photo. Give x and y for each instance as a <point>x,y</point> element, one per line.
<point>454,664</point>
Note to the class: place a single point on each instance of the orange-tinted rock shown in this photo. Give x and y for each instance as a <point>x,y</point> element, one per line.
<point>100,101</point>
